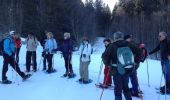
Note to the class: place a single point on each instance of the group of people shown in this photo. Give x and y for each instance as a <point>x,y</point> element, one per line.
<point>113,63</point>
<point>121,74</point>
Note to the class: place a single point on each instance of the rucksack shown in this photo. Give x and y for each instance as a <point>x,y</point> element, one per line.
<point>1,47</point>
<point>125,59</point>
<point>144,52</point>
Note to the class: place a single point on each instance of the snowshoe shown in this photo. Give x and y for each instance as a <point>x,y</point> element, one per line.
<point>6,82</point>
<point>137,95</point>
<point>51,71</point>
<point>71,75</point>
<point>26,77</point>
<point>87,82</point>
<point>163,91</point>
<point>102,86</point>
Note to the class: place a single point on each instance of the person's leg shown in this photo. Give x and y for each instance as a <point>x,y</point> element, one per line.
<point>5,67</point>
<point>34,59</point>
<point>70,65</point>
<point>117,79</point>
<point>44,62</point>
<point>107,77</point>
<point>66,64</point>
<point>15,66</point>
<point>126,89</point>
<point>81,70</point>
<point>17,54</point>
<point>134,82</point>
<point>50,57</point>
<point>86,71</point>
<point>28,61</point>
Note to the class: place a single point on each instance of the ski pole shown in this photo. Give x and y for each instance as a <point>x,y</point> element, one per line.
<point>104,84</point>
<point>100,71</point>
<point>148,72</point>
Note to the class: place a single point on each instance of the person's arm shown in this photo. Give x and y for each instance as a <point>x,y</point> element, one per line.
<point>168,44</point>
<point>155,50</point>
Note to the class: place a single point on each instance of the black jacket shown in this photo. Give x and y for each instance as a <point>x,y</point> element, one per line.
<point>164,47</point>
<point>110,55</point>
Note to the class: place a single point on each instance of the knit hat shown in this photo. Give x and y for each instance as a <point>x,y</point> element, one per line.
<point>12,32</point>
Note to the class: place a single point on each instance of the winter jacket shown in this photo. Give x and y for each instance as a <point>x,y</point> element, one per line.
<point>17,42</point>
<point>164,47</point>
<point>85,52</point>
<point>66,47</point>
<point>32,43</point>
<point>9,46</point>
<point>109,57</point>
<point>50,45</point>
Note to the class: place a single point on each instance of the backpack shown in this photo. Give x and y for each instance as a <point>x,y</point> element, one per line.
<point>1,47</point>
<point>125,59</point>
<point>144,52</point>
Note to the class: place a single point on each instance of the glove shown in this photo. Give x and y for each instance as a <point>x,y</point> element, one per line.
<point>54,51</point>
<point>84,55</point>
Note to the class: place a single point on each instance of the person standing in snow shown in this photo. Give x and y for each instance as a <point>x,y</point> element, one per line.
<point>17,41</point>
<point>107,77</point>
<point>9,58</point>
<point>164,47</point>
<point>50,47</point>
<point>85,53</point>
<point>66,48</point>
<point>32,44</point>
<point>110,58</point>
<point>42,42</point>
<point>133,76</point>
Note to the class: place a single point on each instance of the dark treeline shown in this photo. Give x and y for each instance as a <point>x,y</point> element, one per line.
<point>141,18</point>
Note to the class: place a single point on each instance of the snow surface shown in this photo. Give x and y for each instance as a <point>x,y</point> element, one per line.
<point>42,86</point>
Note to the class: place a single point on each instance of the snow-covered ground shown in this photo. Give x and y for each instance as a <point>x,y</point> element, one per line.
<point>42,86</point>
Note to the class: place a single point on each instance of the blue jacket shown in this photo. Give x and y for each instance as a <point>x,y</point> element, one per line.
<point>50,45</point>
<point>9,46</point>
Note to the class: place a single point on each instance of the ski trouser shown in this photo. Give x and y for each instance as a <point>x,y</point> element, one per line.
<point>68,65</point>
<point>121,84</point>
<point>50,60</point>
<point>10,60</point>
<point>84,70</point>
<point>166,69</point>
<point>17,54</point>
<point>107,76</point>
<point>44,61</point>
<point>31,55</point>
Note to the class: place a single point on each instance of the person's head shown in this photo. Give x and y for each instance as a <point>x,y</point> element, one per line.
<point>118,36</point>
<point>106,42</point>
<point>12,33</point>
<point>128,38</point>
<point>162,36</point>
<point>66,35</point>
<point>49,35</point>
<point>85,40</point>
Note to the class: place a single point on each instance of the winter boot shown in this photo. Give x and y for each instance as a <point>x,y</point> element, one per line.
<point>26,77</point>
<point>6,82</point>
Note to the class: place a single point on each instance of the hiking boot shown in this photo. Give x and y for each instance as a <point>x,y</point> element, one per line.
<point>43,69</point>
<point>71,75</point>
<point>6,82</point>
<point>51,71</point>
<point>163,91</point>
<point>136,95</point>
<point>80,80</point>
<point>87,82</point>
<point>26,77</point>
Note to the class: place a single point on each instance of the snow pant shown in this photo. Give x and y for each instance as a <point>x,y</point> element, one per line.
<point>68,65</point>
<point>166,69</point>
<point>134,81</point>
<point>17,54</point>
<point>121,83</point>
<point>31,55</point>
<point>10,60</point>
<point>50,60</point>
<point>44,61</point>
<point>107,76</point>
<point>84,70</point>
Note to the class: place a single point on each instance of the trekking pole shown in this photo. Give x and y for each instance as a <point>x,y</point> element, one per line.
<point>148,72</point>
<point>104,84</point>
<point>100,71</point>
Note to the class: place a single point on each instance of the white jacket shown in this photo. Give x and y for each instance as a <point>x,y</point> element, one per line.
<point>85,49</point>
<point>50,45</point>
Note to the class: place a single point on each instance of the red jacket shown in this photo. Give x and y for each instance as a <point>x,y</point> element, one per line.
<point>17,42</point>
